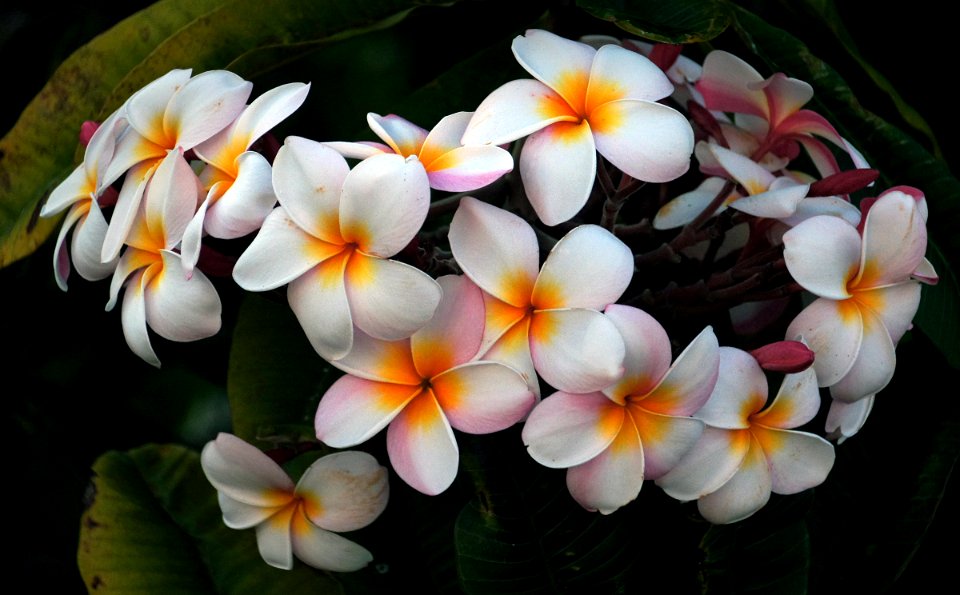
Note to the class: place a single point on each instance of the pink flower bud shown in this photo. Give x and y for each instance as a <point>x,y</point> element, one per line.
<point>784,356</point>
<point>86,131</point>
<point>844,182</point>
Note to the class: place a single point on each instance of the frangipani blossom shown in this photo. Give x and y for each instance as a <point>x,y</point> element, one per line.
<point>866,294</point>
<point>344,491</point>
<point>239,181</point>
<point>156,292</point>
<point>771,109</point>
<point>747,450</point>
<point>449,165</point>
<point>176,111</point>
<point>330,240</point>
<point>545,320</point>
<point>423,387</point>
<point>636,429</point>
<point>583,101</point>
<point>79,192</point>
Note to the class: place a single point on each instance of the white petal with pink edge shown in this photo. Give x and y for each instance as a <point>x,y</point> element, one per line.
<point>203,106</point>
<point>648,141</point>
<point>561,64</point>
<point>894,241</point>
<point>712,461</point>
<point>403,136</point>
<point>823,255</point>
<point>690,381</point>
<point>576,350</point>
<point>785,95</point>
<point>308,177</point>
<point>568,429</point>
<point>588,268</point>
<point>344,491</point>
<point>384,203</point>
<point>319,300</point>
<point>452,336</point>
<point>482,397</point>
<point>613,478</point>
<point>647,350</point>
<point>322,549</point>
<point>496,249</point>
<point>797,460</point>
<point>467,168</point>
<point>744,494</point>
<point>514,110</point>
<point>834,331</point>
<point>181,309</point>
<point>557,166</point>
<point>740,391</point>
<point>874,365</point>
<point>666,439</point>
<point>389,300</point>
<point>243,207</point>
<point>353,410</point>
<point>422,447</point>
<point>242,472</point>
<point>728,84</point>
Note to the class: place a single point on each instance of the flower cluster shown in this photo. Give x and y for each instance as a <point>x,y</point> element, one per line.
<point>463,324</point>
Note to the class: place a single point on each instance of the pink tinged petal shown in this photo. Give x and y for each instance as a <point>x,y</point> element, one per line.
<point>422,447</point>
<point>482,397</point>
<point>894,241</point>
<point>576,350</point>
<point>666,439</point>
<point>712,461</point>
<point>452,336</point>
<point>618,73</point>
<point>75,188</point>
<point>691,379</point>
<point>244,473</point>
<point>238,515</point>
<point>246,203</point>
<point>496,249</point>
<point>87,244</point>
<point>649,141</point>
<point>319,300</point>
<point>308,177</point>
<point>558,165</point>
<point>389,300</point>
<point>133,319</point>
<point>274,540</point>
<point>322,549</point>
<point>685,208</point>
<point>360,150</point>
<point>203,106</point>
<point>728,84</point>
<point>561,64</point>
<point>588,268</point>
<point>144,110</point>
<point>353,410</point>
<point>467,168</point>
<point>280,253</point>
<point>382,361</point>
<point>925,273</point>
<point>797,402</point>
<point>125,211</point>
<point>263,113</point>
<point>896,305</point>
<point>797,460</point>
<point>809,122</point>
<point>741,391</point>
<point>873,368</point>
<point>566,429</point>
<point>181,309</point>
<point>845,419</point>
<point>516,109</point>
<point>746,492</point>
<point>647,351</point>
<point>403,136</point>
<point>785,96</point>
<point>821,155</point>
<point>784,356</point>
<point>614,477</point>
<point>384,203</point>
<point>747,172</point>
<point>780,201</point>
<point>61,259</point>
<point>834,331</point>
<point>344,491</point>
<point>823,255</point>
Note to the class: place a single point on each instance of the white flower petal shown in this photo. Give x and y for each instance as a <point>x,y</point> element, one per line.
<point>558,165</point>
<point>344,491</point>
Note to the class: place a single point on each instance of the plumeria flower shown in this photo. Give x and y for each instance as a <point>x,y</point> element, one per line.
<point>866,294</point>
<point>176,111</point>
<point>582,101</point>
<point>449,165</point>
<point>156,292</point>
<point>331,239</point>
<point>238,181</point>
<point>844,420</point>
<point>424,387</point>
<point>771,109</point>
<point>636,429</point>
<point>80,192</point>
<point>344,491</point>
<point>545,320</point>
<point>747,450</point>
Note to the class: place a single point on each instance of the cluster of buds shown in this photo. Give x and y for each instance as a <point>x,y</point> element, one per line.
<point>444,325</point>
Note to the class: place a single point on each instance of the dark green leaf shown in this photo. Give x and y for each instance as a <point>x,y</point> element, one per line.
<point>153,526</point>
<point>939,313</point>
<point>667,22</point>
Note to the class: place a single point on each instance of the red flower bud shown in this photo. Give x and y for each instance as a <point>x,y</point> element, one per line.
<point>784,356</point>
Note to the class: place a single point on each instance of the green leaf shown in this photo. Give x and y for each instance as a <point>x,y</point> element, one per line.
<point>667,22</point>
<point>275,378</point>
<point>939,307</point>
<point>153,526</point>
<point>39,151</point>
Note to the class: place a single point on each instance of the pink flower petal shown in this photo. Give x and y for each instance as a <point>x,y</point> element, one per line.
<point>614,477</point>
<point>452,336</point>
<point>567,429</point>
<point>558,165</point>
<point>729,84</point>
<point>403,136</point>
<point>576,350</point>
<point>797,460</point>
<point>422,448</point>
<point>744,494</point>
<point>344,491</point>
<point>482,397</point>
<point>785,96</point>
<point>468,168</point>
<point>353,410</point>
<point>647,355</point>
<point>822,254</point>
<point>244,473</point>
